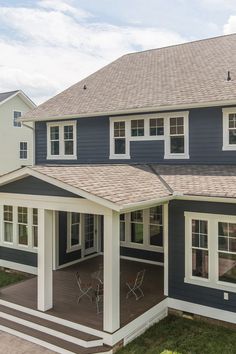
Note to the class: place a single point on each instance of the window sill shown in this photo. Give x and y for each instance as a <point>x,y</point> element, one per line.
<point>207,283</point>
<point>229,148</point>
<point>19,247</point>
<point>176,157</point>
<point>73,249</point>
<point>62,157</point>
<point>119,157</point>
<point>142,247</point>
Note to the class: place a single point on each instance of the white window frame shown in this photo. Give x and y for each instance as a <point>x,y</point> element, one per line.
<point>226,145</point>
<point>20,124</point>
<point>61,126</point>
<point>15,244</point>
<point>70,247</point>
<point>146,233</point>
<point>112,139</point>
<point>147,137</point>
<point>212,281</point>
<point>23,150</point>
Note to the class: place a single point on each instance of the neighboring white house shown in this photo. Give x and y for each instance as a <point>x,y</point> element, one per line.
<point>16,140</point>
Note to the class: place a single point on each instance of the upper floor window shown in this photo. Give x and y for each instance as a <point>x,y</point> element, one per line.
<point>61,140</point>
<point>156,126</point>
<point>171,127</point>
<point>137,127</point>
<point>229,128</point>
<point>23,150</point>
<point>119,147</point>
<point>16,114</point>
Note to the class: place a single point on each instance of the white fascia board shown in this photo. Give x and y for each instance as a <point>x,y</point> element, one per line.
<point>134,110</point>
<point>23,96</point>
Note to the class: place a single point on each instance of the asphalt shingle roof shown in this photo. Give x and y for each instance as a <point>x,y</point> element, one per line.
<point>133,184</point>
<point>5,95</point>
<point>183,74</point>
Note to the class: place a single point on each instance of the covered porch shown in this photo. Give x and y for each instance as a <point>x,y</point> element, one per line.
<point>65,292</point>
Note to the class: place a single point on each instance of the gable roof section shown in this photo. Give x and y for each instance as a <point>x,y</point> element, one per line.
<point>179,76</point>
<point>127,187</point>
<point>6,96</point>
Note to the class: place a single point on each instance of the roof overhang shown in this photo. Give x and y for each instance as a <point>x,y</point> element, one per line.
<point>134,111</point>
<point>24,98</point>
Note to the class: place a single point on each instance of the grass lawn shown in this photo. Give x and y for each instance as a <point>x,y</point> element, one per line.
<point>175,335</point>
<point>10,278</point>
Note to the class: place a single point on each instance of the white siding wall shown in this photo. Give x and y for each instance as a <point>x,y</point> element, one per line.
<point>10,136</point>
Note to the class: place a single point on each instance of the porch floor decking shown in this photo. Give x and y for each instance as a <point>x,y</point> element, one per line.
<point>65,292</point>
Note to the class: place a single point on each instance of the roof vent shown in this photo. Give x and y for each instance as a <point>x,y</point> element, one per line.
<point>228,76</point>
<point>85,87</point>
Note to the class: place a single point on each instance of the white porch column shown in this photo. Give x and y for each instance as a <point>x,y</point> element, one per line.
<point>45,259</point>
<point>111,303</point>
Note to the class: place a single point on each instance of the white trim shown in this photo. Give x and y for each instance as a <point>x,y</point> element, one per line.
<point>140,260</point>
<point>79,260</point>
<point>62,155</point>
<point>205,311</point>
<point>23,96</point>
<point>212,280</point>
<point>112,138</point>
<point>136,110</point>
<point>166,246</point>
<point>225,122</point>
<point>17,266</point>
<point>168,154</point>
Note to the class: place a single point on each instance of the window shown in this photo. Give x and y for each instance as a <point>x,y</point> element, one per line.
<point>22,226</point>
<point>177,135</point>
<point>119,147</point>
<point>210,250</point>
<point>156,226</point>
<point>73,233</point>
<point>171,128</point>
<point>227,252</point>
<point>16,115</point>
<point>35,228</point>
<point>23,150</point>
<point>122,227</point>
<point>200,248</point>
<point>61,140</point>
<point>143,229</point>
<point>8,223</point>
<point>229,128</point>
<point>137,226</point>
<point>137,127</point>
<point>156,126</point>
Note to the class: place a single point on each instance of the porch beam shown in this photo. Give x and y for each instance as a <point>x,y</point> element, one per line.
<point>45,259</point>
<point>111,306</point>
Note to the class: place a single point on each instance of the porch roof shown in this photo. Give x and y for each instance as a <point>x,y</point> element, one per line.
<point>121,187</point>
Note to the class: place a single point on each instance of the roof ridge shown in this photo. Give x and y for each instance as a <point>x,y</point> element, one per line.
<point>182,44</point>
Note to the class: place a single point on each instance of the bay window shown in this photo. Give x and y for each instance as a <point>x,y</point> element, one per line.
<point>61,140</point>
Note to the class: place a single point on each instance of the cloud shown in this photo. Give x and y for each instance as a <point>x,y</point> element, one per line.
<point>230,26</point>
<point>47,48</point>
<point>219,4</point>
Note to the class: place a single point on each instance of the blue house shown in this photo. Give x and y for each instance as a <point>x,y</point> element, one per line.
<point>135,173</point>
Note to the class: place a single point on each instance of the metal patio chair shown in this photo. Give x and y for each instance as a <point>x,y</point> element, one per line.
<point>84,288</point>
<point>135,285</point>
<point>99,297</point>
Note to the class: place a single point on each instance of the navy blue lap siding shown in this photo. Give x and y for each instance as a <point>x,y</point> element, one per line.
<point>205,142</point>
<point>18,256</point>
<point>65,257</point>
<point>142,254</point>
<point>177,288</point>
<point>35,186</point>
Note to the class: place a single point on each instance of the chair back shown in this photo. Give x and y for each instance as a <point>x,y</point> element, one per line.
<point>139,278</point>
<point>99,291</point>
<point>78,279</point>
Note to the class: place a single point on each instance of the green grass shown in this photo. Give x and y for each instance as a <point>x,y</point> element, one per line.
<point>175,335</point>
<point>10,278</point>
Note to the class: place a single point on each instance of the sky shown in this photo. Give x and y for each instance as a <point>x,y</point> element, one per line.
<point>48,45</point>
